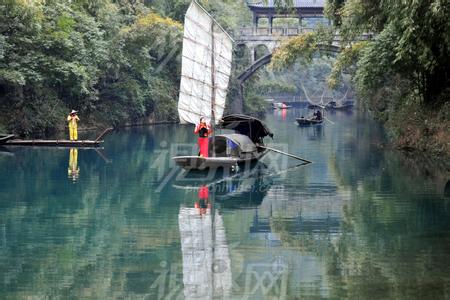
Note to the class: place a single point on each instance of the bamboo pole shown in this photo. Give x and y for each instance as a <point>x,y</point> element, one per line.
<point>213,91</point>
<point>285,153</point>
<point>103,134</point>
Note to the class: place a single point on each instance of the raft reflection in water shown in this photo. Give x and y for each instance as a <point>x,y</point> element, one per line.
<point>73,171</point>
<point>206,257</point>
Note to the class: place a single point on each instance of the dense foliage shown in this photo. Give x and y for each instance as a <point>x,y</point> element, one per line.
<point>103,58</point>
<point>100,57</point>
<point>403,69</point>
<point>116,61</point>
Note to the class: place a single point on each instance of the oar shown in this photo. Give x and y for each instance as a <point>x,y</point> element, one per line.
<point>103,134</point>
<point>329,120</point>
<point>285,153</point>
<point>102,156</point>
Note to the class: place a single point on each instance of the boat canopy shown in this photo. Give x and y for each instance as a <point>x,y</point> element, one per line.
<point>246,125</point>
<point>242,141</point>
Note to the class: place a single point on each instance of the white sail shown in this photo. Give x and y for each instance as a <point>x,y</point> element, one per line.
<point>201,35</point>
<point>206,257</point>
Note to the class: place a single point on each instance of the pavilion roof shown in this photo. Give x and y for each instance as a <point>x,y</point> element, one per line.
<point>296,3</point>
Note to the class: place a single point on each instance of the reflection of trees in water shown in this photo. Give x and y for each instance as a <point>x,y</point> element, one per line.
<point>394,239</point>
<point>60,239</point>
<point>390,239</point>
<point>104,236</point>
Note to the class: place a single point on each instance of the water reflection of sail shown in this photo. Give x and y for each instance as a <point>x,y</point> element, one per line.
<point>206,258</point>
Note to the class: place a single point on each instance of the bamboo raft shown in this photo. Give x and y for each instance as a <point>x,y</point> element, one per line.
<point>59,143</point>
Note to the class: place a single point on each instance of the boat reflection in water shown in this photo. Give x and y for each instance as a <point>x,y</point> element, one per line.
<point>206,257</point>
<point>73,170</point>
<point>245,192</point>
<point>245,189</point>
<point>205,252</point>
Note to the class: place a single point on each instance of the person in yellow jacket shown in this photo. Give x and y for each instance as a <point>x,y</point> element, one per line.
<point>73,119</point>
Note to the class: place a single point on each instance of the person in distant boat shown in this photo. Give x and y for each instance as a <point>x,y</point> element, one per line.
<point>73,119</point>
<point>203,130</point>
<point>318,115</point>
<point>283,105</point>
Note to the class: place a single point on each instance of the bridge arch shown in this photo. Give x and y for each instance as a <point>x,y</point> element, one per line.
<point>261,62</point>
<point>242,54</point>
<point>266,59</point>
<point>260,51</point>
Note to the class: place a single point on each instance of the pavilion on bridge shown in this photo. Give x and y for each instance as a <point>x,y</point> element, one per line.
<point>299,9</point>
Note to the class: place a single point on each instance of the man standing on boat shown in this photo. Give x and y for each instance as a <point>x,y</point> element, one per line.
<point>203,130</point>
<point>73,119</point>
<point>318,115</point>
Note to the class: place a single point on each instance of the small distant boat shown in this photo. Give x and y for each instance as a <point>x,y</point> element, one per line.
<point>5,137</point>
<point>280,105</point>
<point>302,121</point>
<point>315,106</point>
<point>333,105</point>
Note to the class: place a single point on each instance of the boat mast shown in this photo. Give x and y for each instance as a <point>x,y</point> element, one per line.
<point>213,90</point>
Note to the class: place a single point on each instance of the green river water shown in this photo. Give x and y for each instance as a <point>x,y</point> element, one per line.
<point>362,222</point>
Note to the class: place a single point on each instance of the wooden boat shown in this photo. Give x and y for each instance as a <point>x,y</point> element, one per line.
<point>308,121</point>
<point>231,151</point>
<point>5,137</point>
<point>222,159</point>
<point>59,143</point>
<point>315,106</point>
<point>205,73</point>
<point>55,143</point>
<point>280,105</point>
<point>333,105</point>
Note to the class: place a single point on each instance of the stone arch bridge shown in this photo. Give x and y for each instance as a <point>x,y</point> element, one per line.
<point>302,16</point>
<point>271,38</point>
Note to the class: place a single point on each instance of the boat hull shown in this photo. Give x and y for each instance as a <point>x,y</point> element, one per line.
<point>55,143</point>
<point>205,163</point>
<point>307,122</point>
<point>334,106</point>
<point>346,107</point>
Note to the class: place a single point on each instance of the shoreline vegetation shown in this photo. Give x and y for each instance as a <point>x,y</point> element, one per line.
<point>401,75</point>
<point>118,63</point>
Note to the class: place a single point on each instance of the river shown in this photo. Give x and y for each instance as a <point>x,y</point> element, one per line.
<point>363,221</point>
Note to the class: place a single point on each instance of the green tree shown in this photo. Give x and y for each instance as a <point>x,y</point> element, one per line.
<point>402,70</point>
